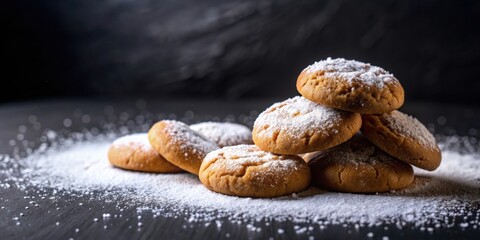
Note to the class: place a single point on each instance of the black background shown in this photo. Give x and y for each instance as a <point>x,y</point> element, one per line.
<point>232,49</point>
<point>214,50</point>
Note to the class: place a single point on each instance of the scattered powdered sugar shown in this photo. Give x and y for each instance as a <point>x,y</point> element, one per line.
<point>189,139</point>
<point>351,70</point>
<point>139,139</point>
<point>75,164</point>
<point>410,127</point>
<point>435,199</point>
<point>296,117</point>
<point>238,157</point>
<point>224,133</point>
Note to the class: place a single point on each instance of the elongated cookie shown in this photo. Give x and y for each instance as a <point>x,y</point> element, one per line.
<point>247,171</point>
<point>351,86</point>
<point>403,137</point>
<point>298,125</point>
<point>134,152</point>
<point>180,145</point>
<point>224,133</point>
<point>358,166</point>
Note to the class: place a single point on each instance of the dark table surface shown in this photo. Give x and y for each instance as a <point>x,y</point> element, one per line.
<point>64,218</point>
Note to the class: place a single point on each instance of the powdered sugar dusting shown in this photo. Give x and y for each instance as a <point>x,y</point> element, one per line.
<point>237,157</point>
<point>138,139</point>
<point>65,164</point>
<point>410,127</point>
<point>296,117</point>
<point>224,133</point>
<point>433,198</point>
<point>356,151</point>
<point>188,139</point>
<point>351,70</point>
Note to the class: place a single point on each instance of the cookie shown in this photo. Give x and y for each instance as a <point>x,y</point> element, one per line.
<point>298,125</point>
<point>133,152</point>
<point>247,171</point>
<point>358,166</point>
<point>351,86</point>
<point>224,133</point>
<point>180,145</point>
<point>403,137</point>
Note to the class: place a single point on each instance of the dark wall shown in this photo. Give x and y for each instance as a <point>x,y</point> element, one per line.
<point>233,49</point>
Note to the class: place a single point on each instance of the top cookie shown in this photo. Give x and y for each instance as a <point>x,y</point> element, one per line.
<point>298,125</point>
<point>351,86</point>
<point>224,133</point>
<point>403,137</point>
<point>180,145</point>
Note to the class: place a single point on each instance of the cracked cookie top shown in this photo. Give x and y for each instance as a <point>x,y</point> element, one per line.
<point>298,125</point>
<point>224,133</point>
<point>180,145</point>
<point>245,170</point>
<point>341,69</point>
<point>403,137</point>
<point>359,166</point>
<point>351,86</point>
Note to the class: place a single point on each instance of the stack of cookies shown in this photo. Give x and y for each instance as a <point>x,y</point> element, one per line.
<point>343,134</point>
<point>339,98</point>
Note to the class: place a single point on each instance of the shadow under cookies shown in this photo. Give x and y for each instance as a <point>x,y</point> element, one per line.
<point>432,186</point>
<point>422,187</point>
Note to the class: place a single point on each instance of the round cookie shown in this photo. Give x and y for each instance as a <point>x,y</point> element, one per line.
<point>180,145</point>
<point>351,86</point>
<point>224,133</point>
<point>358,166</point>
<point>133,152</point>
<point>298,125</point>
<point>403,137</point>
<point>247,171</point>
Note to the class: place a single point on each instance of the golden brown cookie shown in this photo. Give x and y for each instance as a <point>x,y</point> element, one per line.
<point>133,152</point>
<point>403,137</point>
<point>351,86</point>
<point>180,145</point>
<point>224,133</point>
<point>358,166</point>
<point>298,125</point>
<point>247,171</point>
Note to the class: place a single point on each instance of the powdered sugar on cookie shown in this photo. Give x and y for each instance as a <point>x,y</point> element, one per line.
<point>351,70</point>
<point>241,156</point>
<point>138,139</point>
<point>410,127</point>
<point>298,117</point>
<point>356,151</point>
<point>224,133</point>
<point>186,138</point>
<point>247,171</point>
